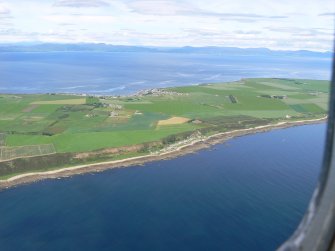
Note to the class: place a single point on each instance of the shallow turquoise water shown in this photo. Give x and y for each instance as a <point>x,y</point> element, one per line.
<point>246,194</point>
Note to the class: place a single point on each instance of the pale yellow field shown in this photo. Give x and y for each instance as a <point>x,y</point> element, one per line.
<point>173,121</point>
<point>77,101</point>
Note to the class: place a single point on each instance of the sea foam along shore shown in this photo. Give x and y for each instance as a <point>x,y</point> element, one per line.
<point>178,149</point>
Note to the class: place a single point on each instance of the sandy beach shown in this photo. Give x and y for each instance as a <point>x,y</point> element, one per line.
<point>178,149</point>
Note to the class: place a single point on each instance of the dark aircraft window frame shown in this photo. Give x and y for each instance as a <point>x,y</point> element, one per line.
<point>316,231</point>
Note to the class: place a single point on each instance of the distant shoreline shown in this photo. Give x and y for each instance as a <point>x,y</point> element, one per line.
<point>180,150</point>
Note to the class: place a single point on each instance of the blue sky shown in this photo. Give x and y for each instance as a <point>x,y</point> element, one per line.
<point>280,24</point>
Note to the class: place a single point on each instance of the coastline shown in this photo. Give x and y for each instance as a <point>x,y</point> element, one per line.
<point>183,148</point>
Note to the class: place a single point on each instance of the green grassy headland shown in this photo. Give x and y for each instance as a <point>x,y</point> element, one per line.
<point>43,131</point>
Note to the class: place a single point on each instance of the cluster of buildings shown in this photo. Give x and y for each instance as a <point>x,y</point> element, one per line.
<point>157,92</point>
<point>115,112</point>
<point>274,96</point>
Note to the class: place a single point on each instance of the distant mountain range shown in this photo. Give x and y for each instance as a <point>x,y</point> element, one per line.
<point>57,47</point>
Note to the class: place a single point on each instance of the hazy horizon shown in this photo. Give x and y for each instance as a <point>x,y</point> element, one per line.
<point>39,43</point>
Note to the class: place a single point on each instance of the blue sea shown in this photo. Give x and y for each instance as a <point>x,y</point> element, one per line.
<point>118,73</point>
<point>246,194</point>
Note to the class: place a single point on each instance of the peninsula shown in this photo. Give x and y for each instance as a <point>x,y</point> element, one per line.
<point>54,135</point>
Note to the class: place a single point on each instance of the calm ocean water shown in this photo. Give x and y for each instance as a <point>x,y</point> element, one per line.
<point>128,72</point>
<point>246,194</point>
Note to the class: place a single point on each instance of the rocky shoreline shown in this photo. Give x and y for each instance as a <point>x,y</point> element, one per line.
<point>181,148</point>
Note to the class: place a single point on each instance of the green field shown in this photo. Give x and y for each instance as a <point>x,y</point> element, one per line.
<point>43,124</point>
<point>8,153</point>
<point>2,139</point>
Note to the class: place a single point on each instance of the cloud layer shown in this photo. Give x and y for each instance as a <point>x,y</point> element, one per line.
<point>81,3</point>
<point>285,25</point>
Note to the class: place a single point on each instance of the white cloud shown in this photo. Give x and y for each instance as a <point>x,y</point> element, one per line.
<point>327,14</point>
<point>158,7</point>
<point>286,24</point>
<point>5,17</point>
<point>73,19</point>
<point>81,3</point>
<point>4,11</point>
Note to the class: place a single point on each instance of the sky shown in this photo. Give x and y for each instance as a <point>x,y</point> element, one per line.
<point>273,24</point>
